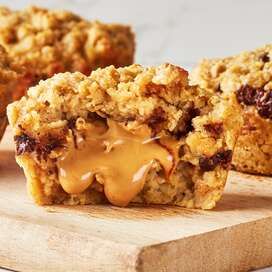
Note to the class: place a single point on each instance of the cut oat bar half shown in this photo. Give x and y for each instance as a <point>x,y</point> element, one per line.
<point>125,135</point>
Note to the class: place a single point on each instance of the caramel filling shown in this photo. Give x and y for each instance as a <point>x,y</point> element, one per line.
<point>118,158</point>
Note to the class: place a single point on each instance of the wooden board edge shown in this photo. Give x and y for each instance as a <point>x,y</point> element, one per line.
<point>242,247</point>
<point>33,247</point>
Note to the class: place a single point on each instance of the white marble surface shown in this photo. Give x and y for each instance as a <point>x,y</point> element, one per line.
<point>179,31</point>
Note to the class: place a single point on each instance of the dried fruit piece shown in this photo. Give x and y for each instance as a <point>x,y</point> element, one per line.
<point>24,143</point>
<point>265,57</point>
<point>247,95</point>
<point>264,104</point>
<point>185,122</point>
<point>221,158</point>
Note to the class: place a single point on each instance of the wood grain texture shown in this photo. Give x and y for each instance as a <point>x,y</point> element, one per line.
<point>236,236</point>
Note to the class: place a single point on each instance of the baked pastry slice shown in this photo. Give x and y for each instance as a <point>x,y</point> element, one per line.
<point>249,76</point>
<point>8,80</point>
<point>124,135</point>
<point>51,41</point>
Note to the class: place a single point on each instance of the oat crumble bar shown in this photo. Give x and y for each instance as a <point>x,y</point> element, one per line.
<point>145,134</point>
<point>249,76</point>
<point>51,41</point>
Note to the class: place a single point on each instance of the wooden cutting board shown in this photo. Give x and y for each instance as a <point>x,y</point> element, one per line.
<point>236,236</point>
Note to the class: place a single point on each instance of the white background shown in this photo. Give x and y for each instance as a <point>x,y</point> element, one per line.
<point>176,31</point>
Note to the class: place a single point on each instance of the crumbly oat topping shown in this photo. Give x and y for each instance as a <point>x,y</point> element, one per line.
<point>49,41</point>
<point>247,74</point>
<point>120,94</point>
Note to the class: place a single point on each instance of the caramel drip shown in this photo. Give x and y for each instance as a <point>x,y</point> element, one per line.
<point>118,158</point>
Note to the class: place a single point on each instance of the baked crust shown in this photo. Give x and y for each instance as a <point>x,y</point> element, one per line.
<point>50,41</point>
<point>248,75</point>
<point>56,110</point>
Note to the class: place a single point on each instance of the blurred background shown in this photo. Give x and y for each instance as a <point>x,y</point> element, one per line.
<point>178,31</point>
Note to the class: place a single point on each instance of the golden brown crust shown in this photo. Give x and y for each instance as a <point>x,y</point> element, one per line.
<point>248,75</point>
<point>47,42</point>
<point>59,108</point>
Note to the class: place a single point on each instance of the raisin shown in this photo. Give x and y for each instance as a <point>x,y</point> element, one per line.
<point>24,144</point>
<point>259,97</point>
<point>247,95</point>
<point>185,123</point>
<point>215,129</point>
<point>222,158</point>
<point>156,119</point>
<point>264,104</point>
<point>206,164</point>
<point>265,57</point>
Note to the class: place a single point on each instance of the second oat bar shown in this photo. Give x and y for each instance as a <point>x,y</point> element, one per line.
<point>248,76</point>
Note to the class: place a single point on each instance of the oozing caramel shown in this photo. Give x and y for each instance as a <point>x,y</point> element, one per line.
<point>118,158</point>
